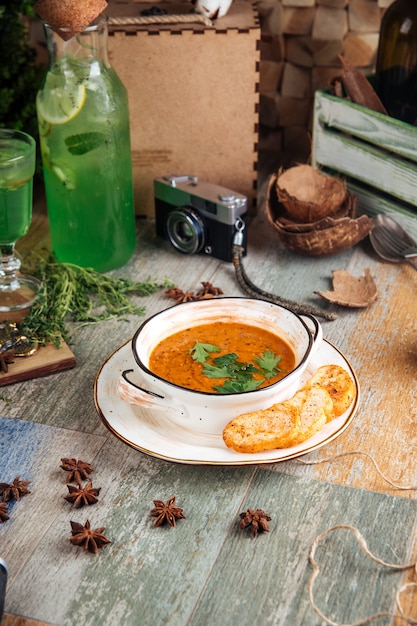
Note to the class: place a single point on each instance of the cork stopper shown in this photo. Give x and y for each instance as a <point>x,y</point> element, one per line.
<point>69,17</point>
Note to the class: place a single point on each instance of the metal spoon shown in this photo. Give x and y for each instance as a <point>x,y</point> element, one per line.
<point>391,242</point>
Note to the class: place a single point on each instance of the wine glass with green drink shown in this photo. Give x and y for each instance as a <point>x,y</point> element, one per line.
<point>17,167</point>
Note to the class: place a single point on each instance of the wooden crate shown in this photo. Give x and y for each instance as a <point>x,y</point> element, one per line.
<point>376,154</point>
<point>193,96</point>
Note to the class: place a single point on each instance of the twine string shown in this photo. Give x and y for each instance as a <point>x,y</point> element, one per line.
<point>160,19</point>
<point>368,456</point>
<point>365,549</point>
<point>362,543</point>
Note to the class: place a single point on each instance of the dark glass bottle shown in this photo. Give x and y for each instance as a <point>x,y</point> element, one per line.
<point>396,65</point>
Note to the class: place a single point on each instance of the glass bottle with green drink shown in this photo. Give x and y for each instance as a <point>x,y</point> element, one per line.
<point>83,120</point>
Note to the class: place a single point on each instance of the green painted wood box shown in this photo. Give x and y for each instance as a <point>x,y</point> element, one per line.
<point>376,154</point>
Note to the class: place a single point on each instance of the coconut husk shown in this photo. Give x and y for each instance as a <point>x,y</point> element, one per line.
<point>350,291</point>
<point>69,17</point>
<point>308,194</point>
<point>349,208</point>
<point>325,237</point>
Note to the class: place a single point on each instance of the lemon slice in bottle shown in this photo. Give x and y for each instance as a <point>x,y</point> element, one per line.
<point>59,105</point>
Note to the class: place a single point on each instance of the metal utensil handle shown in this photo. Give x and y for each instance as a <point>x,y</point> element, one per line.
<point>392,243</point>
<point>410,262</point>
<point>3,584</point>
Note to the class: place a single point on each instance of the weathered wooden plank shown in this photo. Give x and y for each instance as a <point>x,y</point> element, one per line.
<point>14,620</point>
<point>379,343</point>
<point>264,580</point>
<point>167,568</point>
<point>368,164</point>
<point>372,204</point>
<point>372,127</point>
<point>33,452</point>
<point>381,347</point>
<point>146,571</point>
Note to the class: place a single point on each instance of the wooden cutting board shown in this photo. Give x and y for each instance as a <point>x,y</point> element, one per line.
<point>47,360</point>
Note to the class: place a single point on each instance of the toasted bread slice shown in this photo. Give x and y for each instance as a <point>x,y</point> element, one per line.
<point>326,395</point>
<point>337,383</point>
<point>271,428</point>
<point>315,407</point>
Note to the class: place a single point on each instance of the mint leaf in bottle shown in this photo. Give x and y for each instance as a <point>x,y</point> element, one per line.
<point>84,142</point>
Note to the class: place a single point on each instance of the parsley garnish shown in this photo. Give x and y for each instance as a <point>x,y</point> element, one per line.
<point>201,351</point>
<point>268,362</point>
<point>239,376</point>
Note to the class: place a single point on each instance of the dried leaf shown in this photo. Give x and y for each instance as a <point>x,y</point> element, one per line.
<point>350,291</point>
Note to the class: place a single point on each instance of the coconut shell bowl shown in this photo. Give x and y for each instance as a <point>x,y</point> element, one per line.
<point>314,214</point>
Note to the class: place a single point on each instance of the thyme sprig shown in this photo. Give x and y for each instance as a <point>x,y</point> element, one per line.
<point>70,293</point>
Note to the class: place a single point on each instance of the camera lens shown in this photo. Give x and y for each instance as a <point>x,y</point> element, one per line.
<point>185,230</point>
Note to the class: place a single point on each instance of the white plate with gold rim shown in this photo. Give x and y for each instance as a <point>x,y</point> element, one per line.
<point>154,434</point>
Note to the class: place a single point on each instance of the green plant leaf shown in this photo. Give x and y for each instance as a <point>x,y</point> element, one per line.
<point>84,142</point>
<point>268,362</point>
<point>227,360</point>
<point>211,371</point>
<point>234,366</point>
<point>238,376</point>
<point>232,386</point>
<point>201,351</point>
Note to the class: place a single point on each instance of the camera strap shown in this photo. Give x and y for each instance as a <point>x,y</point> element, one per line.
<point>256,292</point>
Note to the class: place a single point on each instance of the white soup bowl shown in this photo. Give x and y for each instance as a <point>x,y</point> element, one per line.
<point>204,412</point>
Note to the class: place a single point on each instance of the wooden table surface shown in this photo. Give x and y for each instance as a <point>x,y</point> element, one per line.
<point>206,570</point>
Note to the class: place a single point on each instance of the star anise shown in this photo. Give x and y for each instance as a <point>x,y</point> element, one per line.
<point>188,296</point>
<point>3,512</point>
<point>166,512</point>
<point>77,470</point>
<point>257,520</point>
<point>14,490</point>
<point>82,496</point>
<point>209,290</point>
<point>174,293</point>
<point>181,296</point>
<point>91,540</point>
<point>6,358</point>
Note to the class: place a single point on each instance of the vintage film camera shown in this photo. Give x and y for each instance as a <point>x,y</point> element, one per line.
<point>199,217</point>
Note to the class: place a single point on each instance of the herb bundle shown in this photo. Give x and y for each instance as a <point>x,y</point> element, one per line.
<point>72,293</point>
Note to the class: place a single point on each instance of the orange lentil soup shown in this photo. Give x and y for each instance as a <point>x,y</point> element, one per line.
<point>172,360</point>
